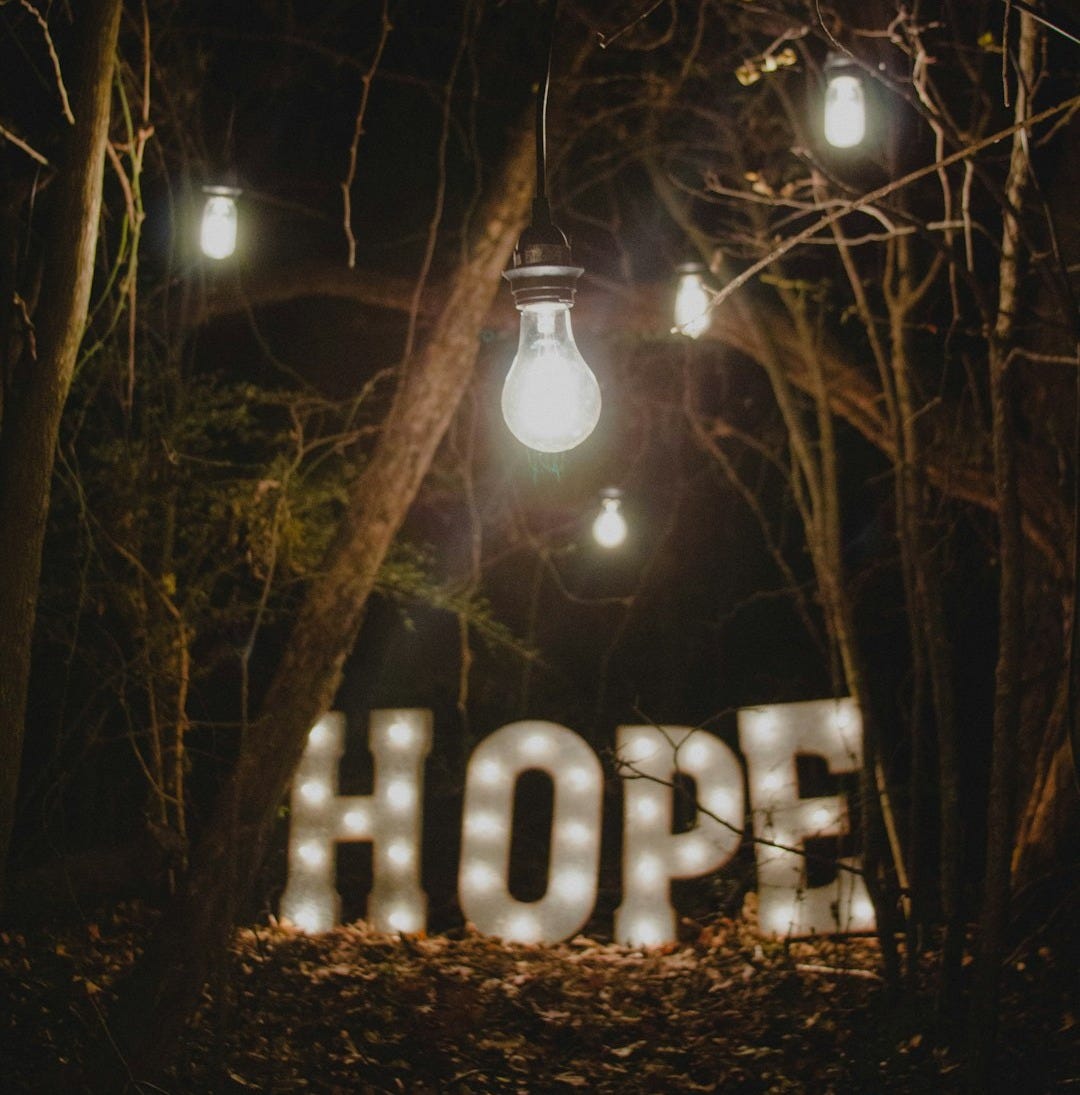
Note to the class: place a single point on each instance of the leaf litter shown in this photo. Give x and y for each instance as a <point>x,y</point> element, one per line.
<point>357,1011</point>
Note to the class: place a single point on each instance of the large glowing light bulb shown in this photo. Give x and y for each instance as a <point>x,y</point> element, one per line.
<point>692,300</point>
<point>845,106</point>
<point>609,529</point>
<point>217,235</point>
<point>551,400</point>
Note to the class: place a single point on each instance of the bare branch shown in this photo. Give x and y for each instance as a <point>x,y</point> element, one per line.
<point>350,174</point>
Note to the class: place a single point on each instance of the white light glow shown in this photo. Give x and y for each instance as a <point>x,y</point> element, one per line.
<point>320,736</point>
<point>862,912</point>
<point>312,853</point>
<point>400,853</point>
<point>575,832</point>
<point>764,728</point>
<point>483,825</point>
<point>720,803</point>
<point>217,234</point>
<point>403,920</point>
<point>309,919</point>
<point>692,300</point>
<point>845,110</point>
<point>787,905</point>
<point>570,894</point>
<point>609,529</point>
<point>646,933</point>
<point>550,400</point>
<point>640,748</point>
<point>400,735</point>
<point>523,928</point>
<point>489,771</point>
<point>480,877</point>
<point>579,779</point>
<point>536,745</point>
<point>781,918</point>
<point>772,781</point>
<point>314,791</point>
<point>357,820</point>
<point>571,885</point>
<point>694,853</point>
<point>652,853</point>
<point>648,870</point>
<point>389,817</point>
<point>400,795</point>
<point>648,809</point>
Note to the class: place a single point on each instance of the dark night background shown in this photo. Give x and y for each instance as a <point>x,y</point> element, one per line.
<point>221,414</point>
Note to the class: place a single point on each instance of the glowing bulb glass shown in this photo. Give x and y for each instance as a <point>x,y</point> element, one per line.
<point>400,853</point>
<point>400,735</point>
<point>550,400</point>
<point>692,299</point>
<point>314,791</point>
<point>217,236</point>
<point>403,920</point>
<point>536,745</point>
<point>845,111</point>
<point>609,528</point>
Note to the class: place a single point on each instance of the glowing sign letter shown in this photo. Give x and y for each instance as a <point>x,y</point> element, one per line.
<point>399,741</point>
<point>652,854</point>
<point>483,887</point>
<point>771,737</point>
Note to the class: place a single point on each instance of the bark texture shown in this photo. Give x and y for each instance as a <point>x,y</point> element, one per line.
<point>40,385</point>
<point>165,986</point>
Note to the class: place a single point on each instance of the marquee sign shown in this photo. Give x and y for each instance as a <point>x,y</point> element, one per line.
<point>649,760</point>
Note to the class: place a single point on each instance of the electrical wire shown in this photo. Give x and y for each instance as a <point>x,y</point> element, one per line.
<point>541,207</point>
<point>1038,16</point>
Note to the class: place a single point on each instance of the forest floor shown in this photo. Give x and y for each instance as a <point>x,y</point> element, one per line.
<point>353,1011</point>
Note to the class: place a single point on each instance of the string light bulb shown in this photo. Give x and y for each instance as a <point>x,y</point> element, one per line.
<point>609,529</point>
<point>550,399</point>
<point>693,298</point>
<point>845,103</point>
<point>217,233</point>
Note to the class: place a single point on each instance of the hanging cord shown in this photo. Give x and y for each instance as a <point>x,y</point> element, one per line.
<point>541,207</point>
<point>1038,16</point>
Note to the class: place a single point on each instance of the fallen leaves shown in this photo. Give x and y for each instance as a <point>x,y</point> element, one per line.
<point>355,1011</point>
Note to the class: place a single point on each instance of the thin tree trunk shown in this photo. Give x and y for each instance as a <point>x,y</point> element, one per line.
<point>40,386</point>
<point>164,987</point>
<point>994,920</point>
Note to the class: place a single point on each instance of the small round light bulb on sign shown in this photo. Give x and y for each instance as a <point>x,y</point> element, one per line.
<point>609,529</point>
<point>845,103</point>
<point>217,233</point>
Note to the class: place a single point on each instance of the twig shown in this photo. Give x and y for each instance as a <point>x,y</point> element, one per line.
<point>838,971</point>
<point>358,128</point>
<point>18,142</point>
<point>605,40</point>
<point>874,196</point>
<point>65,104</point>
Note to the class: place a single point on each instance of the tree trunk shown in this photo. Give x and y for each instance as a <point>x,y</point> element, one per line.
<point>1000,822</point>
<point>163,989</point>
<point>40,386</point>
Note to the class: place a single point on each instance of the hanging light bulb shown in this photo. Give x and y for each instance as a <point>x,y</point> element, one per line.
<point>609,528</point>
<point>217,235</point>
<point>692,300</point>
<point>845,103</point>
<point>550,400</point>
